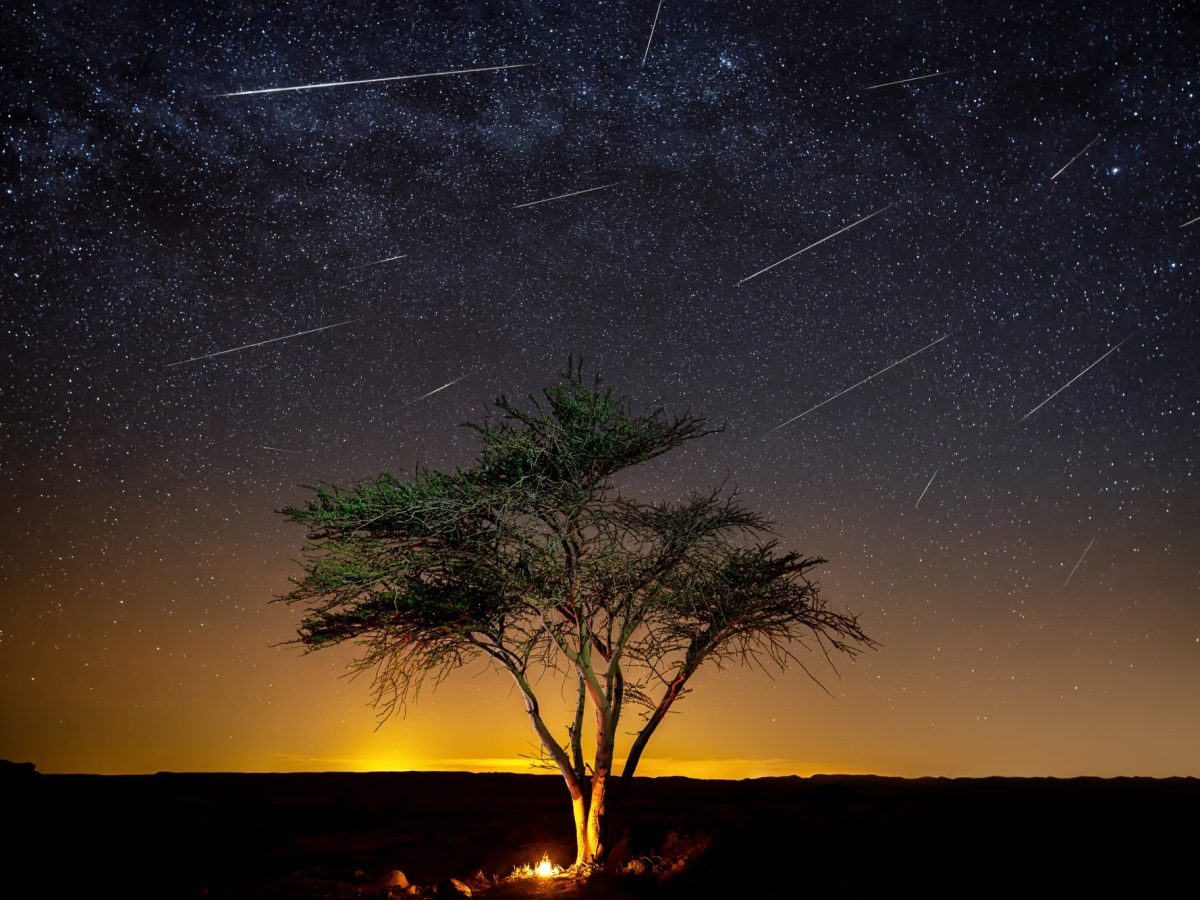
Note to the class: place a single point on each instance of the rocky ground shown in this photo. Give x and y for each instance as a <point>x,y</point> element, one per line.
<point>405,834</point>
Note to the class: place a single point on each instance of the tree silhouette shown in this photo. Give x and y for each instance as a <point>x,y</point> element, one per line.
<point>533,558</point>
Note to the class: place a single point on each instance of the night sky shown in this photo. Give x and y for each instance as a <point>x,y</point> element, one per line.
<point>1032,578</point>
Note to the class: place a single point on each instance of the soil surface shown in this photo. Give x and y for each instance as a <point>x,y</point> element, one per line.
<point>343,835</point>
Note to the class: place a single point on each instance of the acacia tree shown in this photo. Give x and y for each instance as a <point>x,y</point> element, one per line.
<point>533,558</point>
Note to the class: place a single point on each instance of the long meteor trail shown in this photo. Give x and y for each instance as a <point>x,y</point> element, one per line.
<point>1077,565</point>
<point>815,243</point>
<point>570,194</point>
<point>652,27</point>
<point>329,84</point>
<point>917,505</point>
<point>1111,349</point>
<point>1075,157</point>
<point>262,343</point>
<point>872,87</point>
<point>444,386</point>
<point>860,384</point>
<point>379,262</point>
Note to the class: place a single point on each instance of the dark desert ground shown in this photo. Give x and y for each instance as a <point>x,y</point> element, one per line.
<point>339,835</point>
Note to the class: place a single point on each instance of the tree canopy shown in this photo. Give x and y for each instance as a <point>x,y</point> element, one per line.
<point>533,558</point>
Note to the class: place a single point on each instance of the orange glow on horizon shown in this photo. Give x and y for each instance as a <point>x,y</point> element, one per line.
<point>731,769</point>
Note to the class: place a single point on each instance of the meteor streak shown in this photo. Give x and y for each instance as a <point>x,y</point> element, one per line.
<point>379,262</point>
<point>444,386</point>
<point>1075,157</point>
<point>906,80</point>
<point>282,449</point>
<point>1077,564</point>
<point>821,241</point>
<point>1192,222</point>
<point>327,84</point>
<point>1076,378</point>
<point>571,194</point>
<point>860,384</point>
<point>917,505</point>
<point>261,343</point>
<point>652,27</point>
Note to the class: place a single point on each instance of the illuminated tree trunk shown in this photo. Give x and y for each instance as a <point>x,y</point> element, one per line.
<point>590,812</point>
<point>597,816</point>
<point>579,809</point>
<point>598,806</point>
<point>579,800</point>
<point>589,807</point>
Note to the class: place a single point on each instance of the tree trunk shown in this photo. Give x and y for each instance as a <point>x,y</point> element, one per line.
<point>597,818</point>
<point>579,810</point>
<point>579,800</point>
<point>575,730</point>
<point>597,837</point>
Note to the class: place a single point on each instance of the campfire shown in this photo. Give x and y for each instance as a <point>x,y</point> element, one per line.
<point>544,868</point>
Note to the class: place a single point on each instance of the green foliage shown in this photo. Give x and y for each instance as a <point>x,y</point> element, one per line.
<point>572,440</point>
<point>533,558</point>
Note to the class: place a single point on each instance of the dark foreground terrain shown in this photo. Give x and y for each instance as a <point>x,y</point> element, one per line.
<point>337,835</point>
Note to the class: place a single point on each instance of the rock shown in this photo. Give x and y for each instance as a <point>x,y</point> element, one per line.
<point>394,878</point>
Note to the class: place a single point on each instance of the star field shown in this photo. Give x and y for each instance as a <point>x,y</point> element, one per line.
<point>1031,572</point>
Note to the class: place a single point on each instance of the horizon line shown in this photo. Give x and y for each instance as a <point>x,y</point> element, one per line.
<point>549,774</point>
